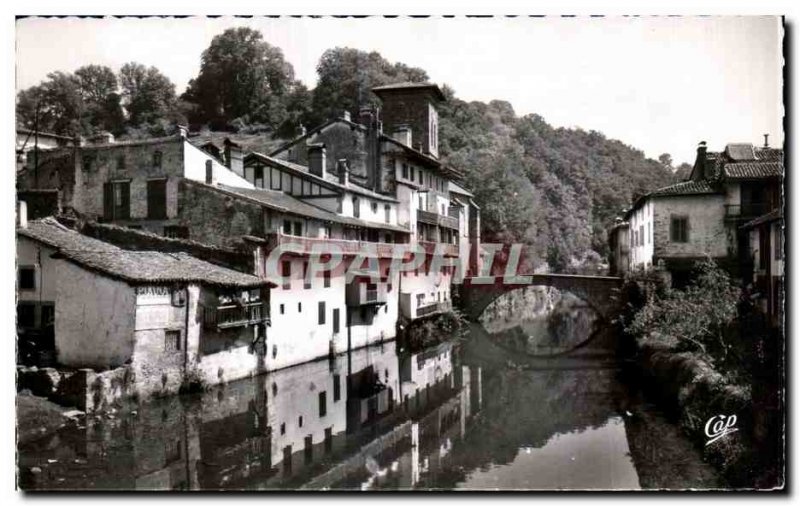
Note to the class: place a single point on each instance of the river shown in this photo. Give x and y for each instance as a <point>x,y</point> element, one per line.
<point>540,402</point>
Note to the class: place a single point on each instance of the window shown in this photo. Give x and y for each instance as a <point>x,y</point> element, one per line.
<point>286,272</point>
<point>157,159</point>
<point>326,278</point>
<point>178,296</point>
<point>300,421</point>
<point>323,403</point>
<point>306,280</point>
<point>374,207</point>
<point>328,440</point>
<point>337,388</point>
<point>88,160</point>
<point>157,199</point>
<point>405,171</point>
<point>299,307</point>
<point>336,321</point>
<point>121,163</point>
<point>321,316</point>
<point>387,213</point>
<point>27,278</point>
<point>117,200</point>
<point>287,227</point>
<point>172,340</point>
<point>26,315</point>
<point>282,308</point>
<point>356,210</point>
<point>679,229</point>
<point>641,235</point>
<point>420,176</point>
<point>258,177</point>
<point>283,429</point>
<point>298,228</point>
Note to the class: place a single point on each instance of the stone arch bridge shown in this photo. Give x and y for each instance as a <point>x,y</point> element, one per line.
<point>599,292</point>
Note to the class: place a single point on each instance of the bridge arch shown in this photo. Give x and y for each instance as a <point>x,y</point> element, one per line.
<point>599,292</point>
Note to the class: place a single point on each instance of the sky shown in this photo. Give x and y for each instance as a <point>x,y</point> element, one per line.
<point>660,84</point>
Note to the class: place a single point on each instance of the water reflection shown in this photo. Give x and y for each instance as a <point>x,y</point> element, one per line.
<point>468,415</point>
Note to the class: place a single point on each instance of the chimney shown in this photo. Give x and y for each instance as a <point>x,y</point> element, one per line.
<point>233,157</point>
<point>346,116</point>
<point>402,134</point>
<point>183,131</point>
<point>365,116</point>
<point>766,140</point>
<point>343,170</point>
<point>101,138</point>
<point>22,214</point>
<point>316,159</point>
<point>701,149</point>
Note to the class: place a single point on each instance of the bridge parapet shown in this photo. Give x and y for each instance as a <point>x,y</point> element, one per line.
<point>600,292</point>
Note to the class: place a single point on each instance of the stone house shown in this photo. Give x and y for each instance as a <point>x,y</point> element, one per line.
<point>619,248</point>
<point>701,217</point>
<point>166,317</point>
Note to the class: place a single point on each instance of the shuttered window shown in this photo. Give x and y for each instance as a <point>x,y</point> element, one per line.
<point>679,229</point>
<point>117,200</point>
<point>157,199</point>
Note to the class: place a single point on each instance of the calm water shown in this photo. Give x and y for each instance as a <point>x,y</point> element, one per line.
<point>486,412</point>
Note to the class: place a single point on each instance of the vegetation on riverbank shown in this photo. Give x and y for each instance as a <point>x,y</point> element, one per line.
<point>37,417</point>
<point>422,333</point>
<point>704,351</point>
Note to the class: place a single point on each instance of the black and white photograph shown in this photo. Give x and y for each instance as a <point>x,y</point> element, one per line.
<point>399,253</point>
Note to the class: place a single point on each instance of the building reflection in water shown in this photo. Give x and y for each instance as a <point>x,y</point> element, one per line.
<point>372,419</point>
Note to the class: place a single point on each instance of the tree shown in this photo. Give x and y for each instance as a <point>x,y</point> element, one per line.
<point>665,159</point>
<point>60,102</point>
<point>241,76</point>
<point>148,94</point>
<point>347,75</point>
<point>102,108</point>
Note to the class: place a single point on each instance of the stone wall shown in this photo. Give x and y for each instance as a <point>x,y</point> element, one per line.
<point>708,235</point>
<point>215,218</point>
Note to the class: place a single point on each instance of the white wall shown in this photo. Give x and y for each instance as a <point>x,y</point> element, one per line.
<point>641,222</point>
<point>194,167</point>
<point>32,253</point>
<point>94,318</point>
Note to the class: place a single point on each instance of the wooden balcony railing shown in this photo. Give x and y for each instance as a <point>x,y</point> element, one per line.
<point>308,245</point>
<point>449,250</point>
<point>746,210</point>
<point>437,219</point>
<point>235,315</point>
<point>436,307</point>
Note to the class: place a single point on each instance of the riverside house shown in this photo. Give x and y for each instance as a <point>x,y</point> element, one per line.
<point>166,317</point>
<point>702,216</point>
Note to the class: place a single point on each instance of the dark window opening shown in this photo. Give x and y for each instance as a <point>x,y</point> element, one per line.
<point>326,278</point>
<point>26,315</point>
<point>286,272</point>
<point>323,404</point>
<point>157,159</point>
<point>321,316</point>
<point>27,278</point>
<point>157,199</point>
<point>678,230</point>
<point>117,200</point>
<point>337,388</point>
<point>172,340</point>
<point>176,231</point>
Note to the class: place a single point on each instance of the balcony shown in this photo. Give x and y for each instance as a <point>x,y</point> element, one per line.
<point>747,210</point>
<point>308,245</point>
<point>235,315</point>
<point>436,307</point>
<point>449,250</point>
<point>364,294</point>
<point>437,219</point>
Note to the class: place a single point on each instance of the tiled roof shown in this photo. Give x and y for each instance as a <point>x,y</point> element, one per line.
<point>135,267</point>
<point>409,86</point>
<point>454,188</point>
<point>289,204</point>
<point>753,170</point>
<point>684,188</point>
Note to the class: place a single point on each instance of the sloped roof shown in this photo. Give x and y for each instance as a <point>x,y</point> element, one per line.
<point>775,214</point>
<point>753,170</point>
<point>454,188</point>
<point>135,267</point>
<point>684,188</point>
<point>740,152</point>
<point>433,88</point>
<point>289,204</point>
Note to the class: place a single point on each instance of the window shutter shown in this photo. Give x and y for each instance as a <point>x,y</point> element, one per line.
<point>108,201</point>
<point>126,201</point>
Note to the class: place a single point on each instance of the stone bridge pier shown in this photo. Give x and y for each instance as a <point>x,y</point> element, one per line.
<point>599,292</point>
